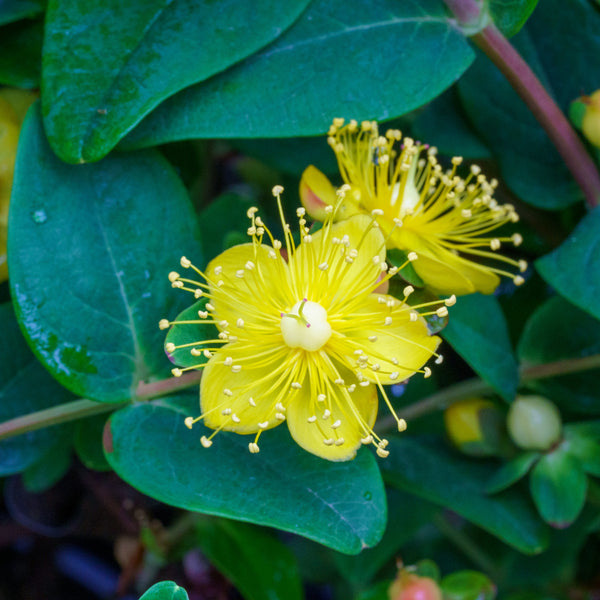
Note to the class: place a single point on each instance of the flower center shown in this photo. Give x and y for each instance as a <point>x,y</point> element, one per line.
<point>305,326</point>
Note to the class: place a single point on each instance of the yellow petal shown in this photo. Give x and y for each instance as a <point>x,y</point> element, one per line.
<point>311,435</point>
<point>346,274</point>
<point>406,341</point>
<point>226,396</point>
<point>445,272</point>
<point>316,193</point>
<point>260,291</point>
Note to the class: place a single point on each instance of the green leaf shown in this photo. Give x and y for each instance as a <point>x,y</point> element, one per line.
<point>530,164</point>
<point>426,468</point>
<point>108,65</point>
<point>25,387</point>
<point>226,214</point>
<point>407,514</point>
<point>311,76</point>
<point>258,564</point>
<point>291,155</point>
<point>510,15</point>
<point>573,269</point>
<point>558,486</point>
<point>510,472</point>
<point>165,590</point>
<point>88,443</point>
<point>443,123</point>
<point>377,592</point>
<point>477,330</point>
<point>582,440</point>
<point>114,229</point>
<point>23,40</point>
<point>559,331</point>
<point>340,505</point>
<point>51,467</point>
<point>14,10</point>
<point>468,585</point>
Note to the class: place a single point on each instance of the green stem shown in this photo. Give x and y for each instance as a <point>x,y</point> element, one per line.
<point>477,387</point>
<point>524,81</point>
<point>78,409</point>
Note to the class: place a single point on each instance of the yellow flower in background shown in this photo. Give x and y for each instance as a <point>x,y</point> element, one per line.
<point>447,220</point>
<point>304,337</point>
<point>13,106</point>
<point>590,124</point>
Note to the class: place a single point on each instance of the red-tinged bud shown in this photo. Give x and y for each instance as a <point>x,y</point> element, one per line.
<point>409,586</point>
<point>316,193</point>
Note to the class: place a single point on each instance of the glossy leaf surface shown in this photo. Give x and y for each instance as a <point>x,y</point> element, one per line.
<point>341,505</point>
<point>108,65</point>
<point>114,229</point>
<point>477,331</point>
<point>312,77</point>
<point>428,469</point>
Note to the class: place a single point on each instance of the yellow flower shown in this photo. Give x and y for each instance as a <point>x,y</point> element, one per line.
<point>13,105</point>
<point>590,124</point>
<point>304,337</point>
<point>445,219</point>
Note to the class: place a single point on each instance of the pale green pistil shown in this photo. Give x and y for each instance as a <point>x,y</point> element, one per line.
<point>305,326</point>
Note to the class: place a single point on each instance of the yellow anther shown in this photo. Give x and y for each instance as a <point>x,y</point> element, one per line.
<point>198,293</point>
<point>277,190</point>
<point>367,440</point>
<point>185,262</point>
<point>408,290</point>
<point>394,375</point>
<point>426,372</point>
<point>170,347</point>
<point>522,266</point>
<point>413,316</point>
<point>519,280</point>
<point>439,360</point>
<point>296,385</point>
<point>450,301</point>
<point>236,368</point>
<point>280,407</point>
<point>235,418</point>
<point>173,276</point>
<point>336,424</point>
<point>227,392</point>
<point>196,352</point>
<point>163,324</point>
<point>387,321</point>
<point>263,425</point>
<point>240,323</point>
<point>251,401</point>
<point>321,398</point>
<point>495,244</point>
<point>312,419</point>
<point>280,416</point>
<point>382,453</point>
<point>226,412</point>
<point>401,425</point>
<point>189,422</point>
<point>412,256</point>
<point>205,442</point>
<point>517,239</point>
<point>253,447</point>
<point>176,372</point>
<point>339,441</point>
<point>326,414</point>
<point>372,338</point>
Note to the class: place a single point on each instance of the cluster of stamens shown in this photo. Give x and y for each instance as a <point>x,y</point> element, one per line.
<point>412,188</point>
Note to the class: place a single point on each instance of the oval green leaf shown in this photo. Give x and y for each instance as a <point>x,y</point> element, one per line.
<point>425,467</point>
<point>582,440</point>
<point>573,269</point>
<point>257,563</point>
<point>298,84</point>
<point>113,230</point>
<point>558,485</point>
<point>165,590</point>
<point>559,331</point>
<point>510,472</point>
<point>468,585</point>
<point>108,65</point>
<point>477,330</point>
<point>340,505</point>
<point>25,387</point>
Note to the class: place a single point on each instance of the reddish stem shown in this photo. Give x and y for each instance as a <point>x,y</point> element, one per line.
<point>524,81</point>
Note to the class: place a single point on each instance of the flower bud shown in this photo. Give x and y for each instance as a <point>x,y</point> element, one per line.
<point>475,426</point>
<point>316,193</point>
<point>534,423</point>
<point>409,586</point>
<point>590,125</point>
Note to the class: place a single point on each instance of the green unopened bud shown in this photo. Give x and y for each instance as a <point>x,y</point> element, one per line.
<point>534,423</point>
<point>590,124</point>
<point>476,427</point>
